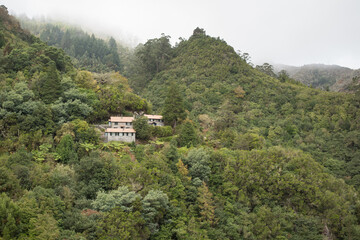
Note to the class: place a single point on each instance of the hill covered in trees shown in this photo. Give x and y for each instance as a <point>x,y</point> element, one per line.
<point>243,108</point>
<point>251,156</point>
<point>41,89</point>
<point>87,51</point>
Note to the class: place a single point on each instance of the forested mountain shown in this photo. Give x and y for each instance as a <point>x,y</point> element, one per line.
<point>326,77</point>
<point>241,106</point>
<point>244,155</point>
<point>87,51</point>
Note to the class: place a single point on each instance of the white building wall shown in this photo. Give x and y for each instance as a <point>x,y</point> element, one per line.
<point>122,137</point>
<point>120,124</point>
<point>158,122</point>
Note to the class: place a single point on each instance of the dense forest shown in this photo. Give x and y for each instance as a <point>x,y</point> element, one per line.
<point>87,51</point>
<point>244,155</point>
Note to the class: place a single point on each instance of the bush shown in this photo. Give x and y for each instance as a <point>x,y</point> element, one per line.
<point>157,131</point>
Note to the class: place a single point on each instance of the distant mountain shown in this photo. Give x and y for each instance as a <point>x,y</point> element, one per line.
<point>332,77</point>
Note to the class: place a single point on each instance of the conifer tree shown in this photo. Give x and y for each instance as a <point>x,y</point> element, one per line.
<point>187,136</point>
<point>174,109</point>
<point>206,205</point>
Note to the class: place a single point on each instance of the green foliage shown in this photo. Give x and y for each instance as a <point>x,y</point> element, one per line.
<point>65,150</point>
<point>118,224</point>
<point>12,221</point>
<point>206,205</point>
<point>48,86</point>
<point>84,79</point>
<point>8,182</point>
<point>19,105</point>
<point>198,163</point>
<point>43,227</point>
<point>42,154</point>
<point>187,135</point>
<point>121,197</point>
<point>115,97</point>
<point>89,52</point>
<point>173,110</point>
<point>74,104</point>
<point>142,128</point>
<point>236,185</point>
<point>154,206</point>
<point>267,69</point>
<point>161,131</point>
<point>95,172</point>
<point>151,58</point>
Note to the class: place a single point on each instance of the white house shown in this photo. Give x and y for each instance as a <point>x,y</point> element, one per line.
<point>156,120</point>
<point>121,122</point>
<point>120,134</point>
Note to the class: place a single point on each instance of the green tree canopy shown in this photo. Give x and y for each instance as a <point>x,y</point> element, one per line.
<point>173,110</point>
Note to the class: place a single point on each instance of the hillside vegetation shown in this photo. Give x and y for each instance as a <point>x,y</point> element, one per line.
<point>248,156</point>
<point>87,51</point>
<point>326,77</point>
<point>241,108</point>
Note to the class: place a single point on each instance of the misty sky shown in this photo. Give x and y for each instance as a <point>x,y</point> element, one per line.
<point>294,32</point>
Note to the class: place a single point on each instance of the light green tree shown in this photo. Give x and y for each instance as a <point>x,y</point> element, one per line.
<point>122,197</point>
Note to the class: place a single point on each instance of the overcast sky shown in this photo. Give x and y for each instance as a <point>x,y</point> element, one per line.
<point>294,32</point>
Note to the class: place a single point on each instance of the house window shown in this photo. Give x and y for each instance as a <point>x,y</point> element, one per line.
<point>116,134</point>
<point>106,134</point>
<point>127,134</point>
<point>110,134</point>
<point>122,134</point>
<point>116,123</point>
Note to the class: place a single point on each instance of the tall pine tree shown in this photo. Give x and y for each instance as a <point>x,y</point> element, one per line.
<point>174,109</point>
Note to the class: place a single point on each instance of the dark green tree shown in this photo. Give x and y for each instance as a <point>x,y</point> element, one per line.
<point>283,76</point>
<point>199,32</point>
<point>266,68</point>
<point>66,150</point>
<point>118,224</point>
<point>155,54</point>
<point>142,128</point>
<point>187,136</point>
<point>48,87</point>
<point>174,109</point>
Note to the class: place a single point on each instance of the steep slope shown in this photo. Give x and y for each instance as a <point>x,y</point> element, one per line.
<point>333,77</point>
<point>24,52</point>
<point>87,51</point>
<point>58,181</point>
<point>247,109</point>
<point>40,89</point>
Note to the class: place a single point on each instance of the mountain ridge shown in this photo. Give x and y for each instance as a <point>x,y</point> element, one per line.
<point>332,77</point>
